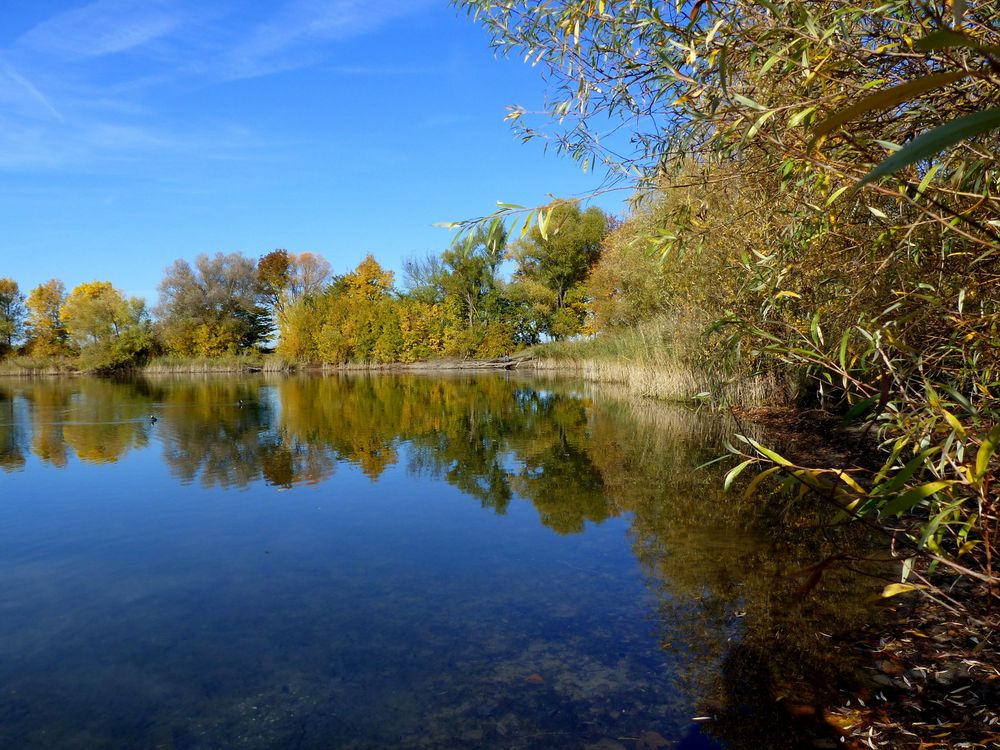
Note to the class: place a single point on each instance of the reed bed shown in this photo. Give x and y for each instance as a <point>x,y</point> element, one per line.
<point>29,367</point>
<point>233,364</point>
<point>664,360</point>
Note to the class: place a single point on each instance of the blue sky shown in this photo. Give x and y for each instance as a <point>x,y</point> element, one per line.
<point>134,132</point>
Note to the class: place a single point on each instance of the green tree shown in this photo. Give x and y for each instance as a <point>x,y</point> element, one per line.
<point>469,271</point>
<point>12,314</point>
<point>423,279</point>
<point>551,265</point>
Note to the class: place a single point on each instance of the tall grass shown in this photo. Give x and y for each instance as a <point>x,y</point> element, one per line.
<point>661,358</point>
<point>32,367</point>
<point>198,365</point>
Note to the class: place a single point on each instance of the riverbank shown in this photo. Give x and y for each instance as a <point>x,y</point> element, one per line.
<point>26,367</point>
<point>927,662</point>
<point>30,367</point>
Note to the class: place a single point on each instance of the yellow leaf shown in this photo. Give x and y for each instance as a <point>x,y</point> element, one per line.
<point>899,588</point>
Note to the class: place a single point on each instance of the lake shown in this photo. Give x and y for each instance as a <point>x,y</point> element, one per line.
<point>393,561</point>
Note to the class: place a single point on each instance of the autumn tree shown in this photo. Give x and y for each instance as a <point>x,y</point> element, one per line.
<point>212,308</point>
<point>369,281</point>
<point>110,330</point>
<point>273,272</point>
<point>12,313</point>
<point>284,278</point>
<point>94,313</point>
<point>46,333</point>
<point>308,274</point>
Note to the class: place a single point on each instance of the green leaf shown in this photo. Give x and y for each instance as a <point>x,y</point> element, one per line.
<point>796,119</point>
<point>715,460</point>
<point>836,194</point>
<point>749,103</point>
<point>543,222</point>
<point>773,60</point>
<point>927,179</point>
<point>950,39</point>
<point>862,407</point>
<point>958,11</point>
<point>814,329</point>
<point>888,145</point>
<point>913,497</point>
<point>904,474</point>
<point>735,472</point>
<point>934,141</point>
<point>780,460</point>
<point>930,530</point>
<point>528,218</point>
<point>843,349</point>
<point>986,451</point>
<point>886,99</point>
<point>758,124</point>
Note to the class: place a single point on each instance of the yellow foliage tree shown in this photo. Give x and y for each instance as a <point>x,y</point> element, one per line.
<point>46,332</point>
<point>94,312</point>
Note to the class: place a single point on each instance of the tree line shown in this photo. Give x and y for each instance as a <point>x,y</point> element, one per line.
<point>458,303</point>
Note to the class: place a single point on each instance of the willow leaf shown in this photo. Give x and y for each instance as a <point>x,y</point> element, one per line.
<point>735,472</point>
<point>934,141</point>
<point>950,39</point>
<point>886,99</point>
<point>913,497</point>
<point>986,451</point>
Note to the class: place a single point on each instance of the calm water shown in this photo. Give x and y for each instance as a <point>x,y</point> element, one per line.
<point>387,562</point>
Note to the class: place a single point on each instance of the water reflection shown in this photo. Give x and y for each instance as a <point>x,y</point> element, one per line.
<point>490,636</point>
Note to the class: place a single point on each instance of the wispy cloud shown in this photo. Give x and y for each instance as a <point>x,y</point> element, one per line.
<point>117,145</point>
<point>19,92</point>
<point>67,101</point>
<point>296,35</point>
<point>102,28</point>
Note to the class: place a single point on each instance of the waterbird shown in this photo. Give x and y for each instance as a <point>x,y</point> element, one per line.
<point>152,418</point>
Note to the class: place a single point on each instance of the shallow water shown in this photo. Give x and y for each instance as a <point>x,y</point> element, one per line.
<point>382,562</point>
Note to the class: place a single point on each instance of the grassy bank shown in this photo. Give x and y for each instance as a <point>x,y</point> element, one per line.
<point>199,365</point>
<point>660,360</point>
<point>31,367</point>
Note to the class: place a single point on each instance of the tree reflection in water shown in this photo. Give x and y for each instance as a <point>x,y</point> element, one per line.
<point>722,568</point>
